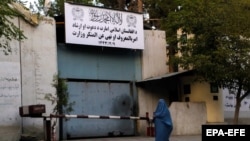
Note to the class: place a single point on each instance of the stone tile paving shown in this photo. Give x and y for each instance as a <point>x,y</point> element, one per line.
<point>172,138</point>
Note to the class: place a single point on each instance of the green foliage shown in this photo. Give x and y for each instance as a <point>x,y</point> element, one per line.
<point>220,37</point>
<point>159,9</point>
<point>5,47</point>
<point>8,30</point>
<point>57,6</point>
<point>220,46</point>
<point>61,100</point>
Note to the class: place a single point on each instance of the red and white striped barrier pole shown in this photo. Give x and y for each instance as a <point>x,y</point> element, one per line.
<point>99,117</point>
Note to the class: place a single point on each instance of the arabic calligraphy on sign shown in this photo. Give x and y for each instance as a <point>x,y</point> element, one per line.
<point>115,34</point>
<point>103,27</point>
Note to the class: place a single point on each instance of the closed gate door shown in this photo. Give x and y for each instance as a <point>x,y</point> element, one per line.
<point>99,98</point>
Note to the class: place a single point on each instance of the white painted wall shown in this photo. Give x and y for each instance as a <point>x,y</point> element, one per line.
<point>39,64</point>
<point>154,56</point>
<point>10,84</point>
<point>154,61</point>
<point>10,91</point>
<point>188,117</point>
<point>229,102</point>
<point>28,74</point>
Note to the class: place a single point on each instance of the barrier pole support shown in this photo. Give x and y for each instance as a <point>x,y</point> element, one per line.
<point>47,129</point>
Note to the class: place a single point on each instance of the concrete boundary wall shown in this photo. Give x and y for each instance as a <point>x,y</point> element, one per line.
<point>27,77</point>
<point>188,117</point>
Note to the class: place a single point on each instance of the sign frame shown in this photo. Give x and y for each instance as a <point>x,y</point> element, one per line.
<point>97,26</point>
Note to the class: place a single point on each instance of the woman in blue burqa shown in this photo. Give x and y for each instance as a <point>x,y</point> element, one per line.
<point>162,121</point>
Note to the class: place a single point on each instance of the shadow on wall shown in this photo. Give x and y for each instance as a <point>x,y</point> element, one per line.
<point>188,117</point>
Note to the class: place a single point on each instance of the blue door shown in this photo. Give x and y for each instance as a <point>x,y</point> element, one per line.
<point>99,98</point>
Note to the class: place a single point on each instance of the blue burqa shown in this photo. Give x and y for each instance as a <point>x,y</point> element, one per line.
<point>162,121</point>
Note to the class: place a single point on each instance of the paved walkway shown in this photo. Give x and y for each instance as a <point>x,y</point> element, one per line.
<point>8,133</point>
<point>13,134</point>
<point>172,138</point>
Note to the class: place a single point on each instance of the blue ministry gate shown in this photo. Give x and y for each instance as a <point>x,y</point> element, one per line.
<point>99,98</point>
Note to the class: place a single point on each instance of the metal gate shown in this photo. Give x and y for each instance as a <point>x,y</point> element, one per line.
<point>99,98</point>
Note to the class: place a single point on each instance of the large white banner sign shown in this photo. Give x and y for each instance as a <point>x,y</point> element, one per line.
<point>96,26</point>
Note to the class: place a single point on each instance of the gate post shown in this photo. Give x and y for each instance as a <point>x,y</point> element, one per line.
<point>47,129</point>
